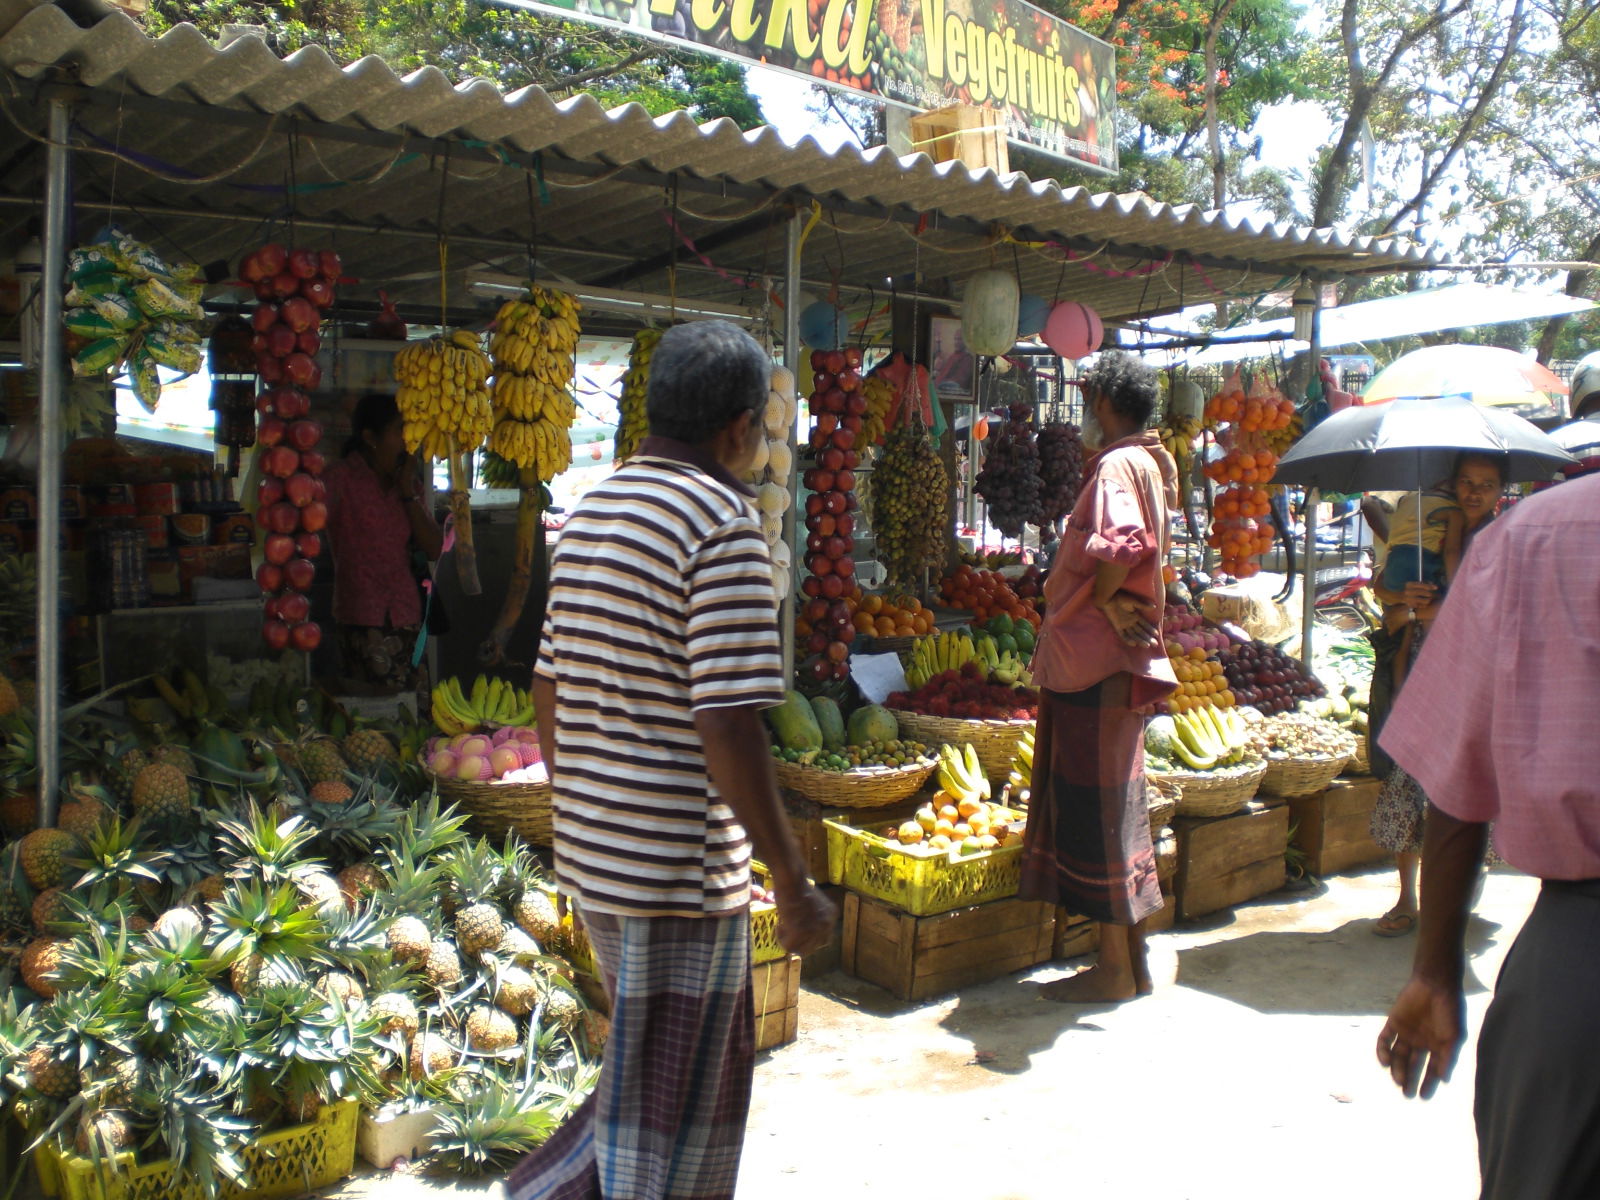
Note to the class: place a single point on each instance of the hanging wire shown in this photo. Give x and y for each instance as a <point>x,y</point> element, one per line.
<point>533,230</point>
<point>444,246</point>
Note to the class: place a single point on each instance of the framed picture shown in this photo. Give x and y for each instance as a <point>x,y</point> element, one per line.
<point>952,365</point>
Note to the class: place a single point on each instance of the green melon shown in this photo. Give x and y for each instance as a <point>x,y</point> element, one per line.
<point>830,721</point>
<point>795,724</point>
<point>872,723</point>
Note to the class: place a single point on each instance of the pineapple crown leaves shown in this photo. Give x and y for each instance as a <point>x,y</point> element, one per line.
<point>100,950</point>
<point>352,831</point>
<point>170,1001</point>
<point>118,854</point>
<point>355,939</point>
<point>427,829</point>
<point>291,1038</point>
<point>201,1136</point>
<point>81,1025</point>
<point>493,1125</point>
<point>249,919</point>
<point>19,1032</point>
<point>413,884</point>
<point>475,871</point>
<point>261,846</point>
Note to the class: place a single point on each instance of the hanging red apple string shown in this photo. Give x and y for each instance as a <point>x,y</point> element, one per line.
<point>836,413</point>
<point>294,290</point>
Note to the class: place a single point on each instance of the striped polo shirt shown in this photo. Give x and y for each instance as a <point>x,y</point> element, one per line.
<point>661,604</point>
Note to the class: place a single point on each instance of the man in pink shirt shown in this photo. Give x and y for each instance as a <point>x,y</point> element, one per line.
<point>1497,723</point>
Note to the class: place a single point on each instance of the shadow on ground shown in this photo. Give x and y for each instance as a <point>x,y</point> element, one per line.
<point>1346,971</point>
<point>1009,1022</point>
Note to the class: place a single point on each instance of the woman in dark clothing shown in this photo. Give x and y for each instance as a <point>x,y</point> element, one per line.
<point>1478,482</point>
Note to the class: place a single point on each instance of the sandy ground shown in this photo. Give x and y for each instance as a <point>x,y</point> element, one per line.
<point>1249,1074</point>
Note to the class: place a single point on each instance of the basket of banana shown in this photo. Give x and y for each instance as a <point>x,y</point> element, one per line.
<point>1304,754</point>
<point>1208,755</point>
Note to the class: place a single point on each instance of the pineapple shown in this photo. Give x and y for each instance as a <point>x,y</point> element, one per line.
<point>396,1012</point>
<point>121,1080</point>
<point>175,756</point>
<point>442,965</point>
<point>105,1133</point>
<point>49,1075</point>
<point>409,939</point>
<point>320,890</point>
<point>80,817</point>
<point>19,811</point>
<point>127,771</point>
<point>359,882</point>
<point>369,752</point>
<point>321,762</point>
<point>244,974</point>
<point>516,991</point>
<point>474,873</point>
<point>42,852</point>
<point>490,1030</point>
<point>41,958</point>
<point>537,916</point>
<point>338,985</point>
<point>10,702</point>
<point>217,1004</point>
<point>161,793</point>
<point>210,888</point>
<point>180,924</point>
<point>515,945</point>
<point>430,1055</point>
<point>301,1103</point>
<point>562,1007</point>
<point>50,910</point>
<point>14,912</point>
<point>331,791</point>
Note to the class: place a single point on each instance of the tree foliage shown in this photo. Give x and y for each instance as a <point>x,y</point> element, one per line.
<point>509,46</point>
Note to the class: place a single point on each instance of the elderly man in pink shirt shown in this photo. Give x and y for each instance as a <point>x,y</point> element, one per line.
<point>1498,723</point>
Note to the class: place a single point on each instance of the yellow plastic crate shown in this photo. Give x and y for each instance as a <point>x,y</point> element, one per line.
<point>920,884</point>
<point>285,1162</point>
<point>764,945</point>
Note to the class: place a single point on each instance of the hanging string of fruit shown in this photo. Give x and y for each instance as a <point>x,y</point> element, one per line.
<point>535,347</point>
<point>294,289</point>
<point>1243,422</point>
<point>837,417</point>
<point>634,423</point>
<point>910,499</point>
<point>1009,481</point>
<point>772,470</point>
<point>444,402</point>
<point>1060,473</point>
<point>879,395</point>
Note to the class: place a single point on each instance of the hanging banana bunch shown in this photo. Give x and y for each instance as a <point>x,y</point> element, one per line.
<point>444,402</point>
<point>635,424</point>
<point>535,348</point>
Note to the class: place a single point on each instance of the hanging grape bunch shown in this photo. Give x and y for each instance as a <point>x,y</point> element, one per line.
<point>910,495</point>
<point>1009,482</point>
<point>1060,473</point>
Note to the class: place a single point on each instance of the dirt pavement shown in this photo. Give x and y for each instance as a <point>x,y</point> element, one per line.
<point>1251,1077</point>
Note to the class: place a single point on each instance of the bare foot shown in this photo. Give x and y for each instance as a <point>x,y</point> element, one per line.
<point>1141,980</point>
<point>1091,986</point>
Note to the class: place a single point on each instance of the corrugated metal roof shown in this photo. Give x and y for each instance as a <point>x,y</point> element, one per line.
<point>257,121</point>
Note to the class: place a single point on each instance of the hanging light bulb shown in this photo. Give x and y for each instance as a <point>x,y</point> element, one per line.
<point>1304,308</point>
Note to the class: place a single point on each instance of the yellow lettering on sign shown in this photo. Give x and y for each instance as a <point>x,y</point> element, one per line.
<point>744,24</point>
<point>933,36</point>
<point>977,64</point>
<point>790,15</point>
<point>707,14</point>
<point>997,66</point>
<point>1071,107</point>
<point>955,35</point>
<point>836,52</point>
<point>663,8</point>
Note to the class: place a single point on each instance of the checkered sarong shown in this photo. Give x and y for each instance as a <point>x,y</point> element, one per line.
<point>667,1118</point>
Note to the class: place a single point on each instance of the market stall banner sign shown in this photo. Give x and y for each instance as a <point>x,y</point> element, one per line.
<point>1051,85</point>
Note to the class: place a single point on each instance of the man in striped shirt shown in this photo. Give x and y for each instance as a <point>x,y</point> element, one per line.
<point>660,649</point>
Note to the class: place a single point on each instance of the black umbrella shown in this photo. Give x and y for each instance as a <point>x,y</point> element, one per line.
<point>1409,445</point>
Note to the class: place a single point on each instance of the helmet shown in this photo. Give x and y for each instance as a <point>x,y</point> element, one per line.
<point>1585,388</point>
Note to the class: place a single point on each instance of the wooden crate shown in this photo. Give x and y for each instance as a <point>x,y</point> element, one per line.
<point>1334,827</point>
<point>1164,919</point>
<point>1074,936</point>
<point>975,136</point>
<point>918,957</point>
<point>1224,861</point>
<point>776,986</point>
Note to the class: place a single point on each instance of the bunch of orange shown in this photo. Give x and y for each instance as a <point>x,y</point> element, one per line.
<point>1249,462</point>
<point>986,594</point>
<point>890,616</point>
<point>1201,681</point>
<point>1258,412</point>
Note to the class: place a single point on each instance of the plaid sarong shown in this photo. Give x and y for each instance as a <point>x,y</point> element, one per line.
<point>667,1118</point>
<point>1087,843</point>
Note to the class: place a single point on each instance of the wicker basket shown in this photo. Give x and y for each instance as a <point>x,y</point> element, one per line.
<point>1360,762</point>
<point>497,807</point>
<point>1163,799</point>
<point>1291,777</point>
<point>881,645</point>
<point>1215,793</point>
<point>995,741</point>
<point>865,787</point>
<point>1166,847</point>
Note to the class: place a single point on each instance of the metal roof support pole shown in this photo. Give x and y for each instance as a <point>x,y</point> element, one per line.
<point>1308,582</point>
<point>52,389</point>
<point>791,357</point>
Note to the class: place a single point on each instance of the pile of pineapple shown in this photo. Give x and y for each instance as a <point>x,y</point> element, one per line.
<point>216,953</point>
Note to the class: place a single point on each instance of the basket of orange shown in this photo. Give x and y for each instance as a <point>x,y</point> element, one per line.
<point>889,623</point>
<point>989,594</point>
